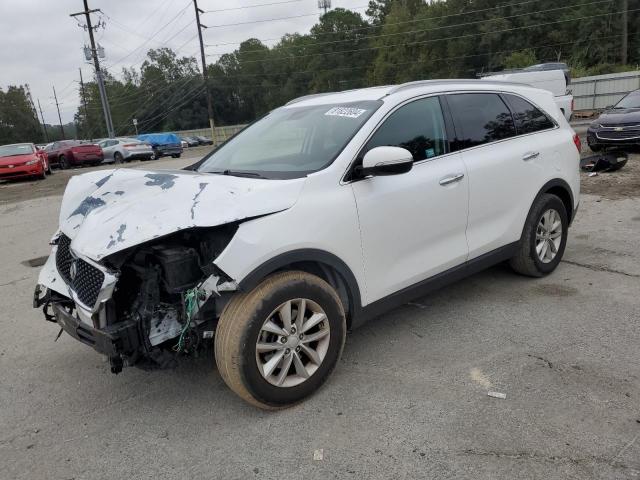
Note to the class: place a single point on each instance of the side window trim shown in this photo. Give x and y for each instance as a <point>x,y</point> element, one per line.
<point>445,95</point>
<point>346,178</point>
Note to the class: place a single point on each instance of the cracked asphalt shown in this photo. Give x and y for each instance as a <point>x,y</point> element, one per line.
<point>408,399</point>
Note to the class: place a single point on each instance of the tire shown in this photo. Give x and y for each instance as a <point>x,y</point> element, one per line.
<point>527,260</point>
<point>241,325</point>
<point>63,162</point>
<point>117,158</point>
<point>43,175</point>
<point>177,155</point>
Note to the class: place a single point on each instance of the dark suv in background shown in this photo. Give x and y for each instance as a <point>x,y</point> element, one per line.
<point>618,126</point>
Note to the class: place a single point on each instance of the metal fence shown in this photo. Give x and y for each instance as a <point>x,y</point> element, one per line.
<point>599,91</point>
<point>221,133</point>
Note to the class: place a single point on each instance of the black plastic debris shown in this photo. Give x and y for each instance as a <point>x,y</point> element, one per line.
<point>608,161</point>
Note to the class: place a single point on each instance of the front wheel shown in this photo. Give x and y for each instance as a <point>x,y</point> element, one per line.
<point>277,344</point>
<point>177,155</point>
<point>543,239</point>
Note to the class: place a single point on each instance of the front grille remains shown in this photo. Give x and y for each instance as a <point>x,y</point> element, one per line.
<point>619,135</point>
<point>87,280</point>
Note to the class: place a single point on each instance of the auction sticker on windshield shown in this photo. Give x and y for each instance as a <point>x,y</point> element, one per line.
<point>349,112</point>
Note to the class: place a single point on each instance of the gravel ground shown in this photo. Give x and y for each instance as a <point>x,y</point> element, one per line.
<point>408,399</point>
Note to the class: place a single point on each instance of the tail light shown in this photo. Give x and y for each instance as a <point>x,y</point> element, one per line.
<point>130,145</point>
<point>576,142</point>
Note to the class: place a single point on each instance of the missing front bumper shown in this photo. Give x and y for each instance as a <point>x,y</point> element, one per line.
<point>120,339</point>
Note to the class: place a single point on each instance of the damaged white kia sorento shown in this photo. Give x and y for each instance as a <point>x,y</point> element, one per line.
<point>321,215</point>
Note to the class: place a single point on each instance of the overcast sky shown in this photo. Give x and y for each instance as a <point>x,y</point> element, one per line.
<point>42,45</point>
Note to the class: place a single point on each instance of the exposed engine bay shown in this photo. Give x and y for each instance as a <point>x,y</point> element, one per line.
<point>166,299</point>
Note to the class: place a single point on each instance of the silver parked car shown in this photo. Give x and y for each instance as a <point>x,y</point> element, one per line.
<point>118,150</point>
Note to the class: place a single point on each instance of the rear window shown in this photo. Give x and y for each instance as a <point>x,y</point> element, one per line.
<point>480,118</point>
<point>527,117</point>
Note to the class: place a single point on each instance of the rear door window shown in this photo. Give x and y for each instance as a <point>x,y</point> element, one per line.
<point>528,118</point>
<point>417,126</point>
<point>480,118</point>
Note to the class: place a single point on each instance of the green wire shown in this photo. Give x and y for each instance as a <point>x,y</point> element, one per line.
<point>190,304</point>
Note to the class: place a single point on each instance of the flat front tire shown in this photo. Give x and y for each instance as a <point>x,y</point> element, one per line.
<point>544,238</point>
<point>277,344</point>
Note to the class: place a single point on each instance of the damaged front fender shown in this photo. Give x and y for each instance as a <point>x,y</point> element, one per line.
<point>110,211</point>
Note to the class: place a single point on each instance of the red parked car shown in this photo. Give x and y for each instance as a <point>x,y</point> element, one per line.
<point>67,153</point>
<point>23,160</point>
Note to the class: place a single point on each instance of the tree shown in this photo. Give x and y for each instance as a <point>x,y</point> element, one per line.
<point>18,119</point>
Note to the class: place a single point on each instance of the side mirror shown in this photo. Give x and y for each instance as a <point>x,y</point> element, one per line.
<point>386,161</point>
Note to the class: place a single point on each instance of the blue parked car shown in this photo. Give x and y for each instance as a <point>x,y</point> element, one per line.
<point>163,144</point>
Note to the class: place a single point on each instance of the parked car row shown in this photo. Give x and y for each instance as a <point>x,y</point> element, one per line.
<point>195,141</point>
<point>31,160</point>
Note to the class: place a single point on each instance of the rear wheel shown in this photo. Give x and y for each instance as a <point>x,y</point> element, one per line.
<point>543,239</point>
<point>117,157</point>
<point>63,162</point>
<point>277,344</point>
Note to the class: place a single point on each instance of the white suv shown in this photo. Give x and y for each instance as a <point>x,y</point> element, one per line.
<point>324,213</point>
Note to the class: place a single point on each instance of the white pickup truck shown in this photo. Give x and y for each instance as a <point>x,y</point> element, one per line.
<point>551,80</point>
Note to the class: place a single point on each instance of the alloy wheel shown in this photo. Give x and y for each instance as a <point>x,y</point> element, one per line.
<point>548,235</point>
<point>292,343</point>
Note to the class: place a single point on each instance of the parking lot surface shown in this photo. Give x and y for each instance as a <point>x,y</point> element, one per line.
<point>408,399</point>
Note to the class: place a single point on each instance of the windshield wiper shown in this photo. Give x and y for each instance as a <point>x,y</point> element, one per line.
<point>238,173</point>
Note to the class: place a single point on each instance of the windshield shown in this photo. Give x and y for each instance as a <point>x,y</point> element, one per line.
<point>18,149</point>
<point>290,142</point>
<point>632,100</point>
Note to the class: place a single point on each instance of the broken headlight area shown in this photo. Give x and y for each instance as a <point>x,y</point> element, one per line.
<point>165,302</point>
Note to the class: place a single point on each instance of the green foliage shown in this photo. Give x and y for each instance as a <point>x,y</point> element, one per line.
<point>398,41</point>
<point>520,59</point>
<point>18,119</point>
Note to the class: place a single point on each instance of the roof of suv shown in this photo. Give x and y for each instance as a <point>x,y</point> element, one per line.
<point>424,86</point>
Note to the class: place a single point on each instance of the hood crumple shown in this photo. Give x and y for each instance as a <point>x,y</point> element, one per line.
<point>107,211</point>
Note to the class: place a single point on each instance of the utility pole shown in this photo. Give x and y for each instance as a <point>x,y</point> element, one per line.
<point>96,63</point>
<point>58,107</point>
<point>33,107</point>
<point>324,5</point>
<point>84,102</point>
<point>44,125</point>
<point>625,21</point>
<point>204,71</point>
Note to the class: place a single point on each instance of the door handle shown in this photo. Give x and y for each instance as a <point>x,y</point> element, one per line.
<point>453,178</point>
<point>530,156</point>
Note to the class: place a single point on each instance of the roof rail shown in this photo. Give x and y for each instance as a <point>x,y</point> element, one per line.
<point>306,97</point>
<point>458,81</point>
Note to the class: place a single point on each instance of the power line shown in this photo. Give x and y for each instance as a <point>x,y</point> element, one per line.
<point>390,24</point>
<point>252,6</point>
<point>277,19</point>
<point>315,70</point>
<point>424,30</point>
<point>174,18</point>
<point>432,40</point>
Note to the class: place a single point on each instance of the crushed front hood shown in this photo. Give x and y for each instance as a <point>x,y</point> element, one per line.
<point>107,211</point>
